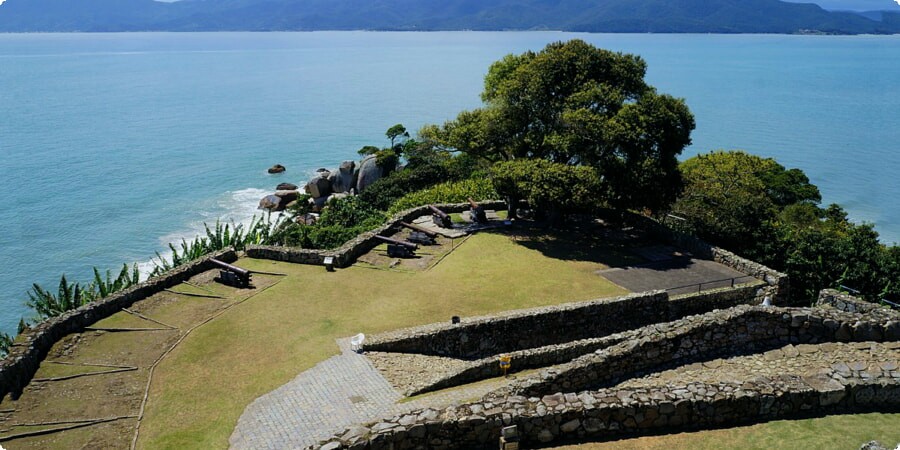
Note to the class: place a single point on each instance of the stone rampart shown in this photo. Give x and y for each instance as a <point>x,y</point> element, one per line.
<point>736,331</point>
<point>846,302</point>
<point>540,337</point>
<point>346,255</point>
<point>556,408</point>
<point>30,348</point>
<point>614,413</point>
<point>530,328</point>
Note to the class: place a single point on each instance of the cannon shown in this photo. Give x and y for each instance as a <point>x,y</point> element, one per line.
<point>232,275</point>
<point>399,249</point>
<point>420,235</point>
<point>476,212</point>
<point>440,218</point>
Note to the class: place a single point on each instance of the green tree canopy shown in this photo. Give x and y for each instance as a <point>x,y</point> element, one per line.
<point>731,196</point>
<point>575,104</point>
<point>547,186</point>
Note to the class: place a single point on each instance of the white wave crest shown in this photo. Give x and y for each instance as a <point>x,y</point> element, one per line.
<point>233,207</point>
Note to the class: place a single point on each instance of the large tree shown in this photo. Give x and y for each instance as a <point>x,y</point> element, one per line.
<point>575,104</point>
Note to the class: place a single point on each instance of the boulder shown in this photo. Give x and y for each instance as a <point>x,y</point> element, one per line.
<point>369,172</point>
<point>319,203</point>
<point>318,186</point>
<point>286,187</point>
<point>343,179</point>
<point>270,202</point>
<point>277,168</point>
<point>287,196</point>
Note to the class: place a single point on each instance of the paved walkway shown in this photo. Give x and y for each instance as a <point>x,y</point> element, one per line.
<point>339,392</point>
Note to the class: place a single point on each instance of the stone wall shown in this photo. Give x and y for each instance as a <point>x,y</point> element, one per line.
<point>736,331</point>
<point>512,331</point>
<point>846,302</point>
<point>557,409</point>
<point>607,413</point>
<point>530,328</point>
<point>346,255</point>
<point>540,337</point>
<point>30,348</point>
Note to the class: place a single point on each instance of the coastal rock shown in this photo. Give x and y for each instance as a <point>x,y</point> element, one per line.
<point>286,187</point>
<point>270,202</point>
<point>277,168</point>
<point>318,186</point>
<point>369,172</point>
<point>343,179</point>
<point>287,196</point>
<point>319,202</point>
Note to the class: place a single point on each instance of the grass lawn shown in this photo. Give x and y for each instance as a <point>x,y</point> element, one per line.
<point>201,389</point>
<point>846,432</point>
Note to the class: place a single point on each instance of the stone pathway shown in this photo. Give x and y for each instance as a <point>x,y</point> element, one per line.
<point>339,392</point>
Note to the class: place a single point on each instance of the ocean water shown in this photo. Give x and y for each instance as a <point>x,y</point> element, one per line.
<point>113,145</point>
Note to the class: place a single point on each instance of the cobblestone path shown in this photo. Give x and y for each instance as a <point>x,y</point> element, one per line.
<point>326,399</point>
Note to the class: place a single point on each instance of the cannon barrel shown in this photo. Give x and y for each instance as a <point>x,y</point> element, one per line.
<point>425,231</point>
<point>438,212</point>
<point>229,267</point>
<point>408,245</point>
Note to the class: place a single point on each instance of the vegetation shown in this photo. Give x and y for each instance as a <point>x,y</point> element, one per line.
<point>756,207</point>
<point>551,188</point>
<point>450,192</point>
<point>575,104</point>
<point>343,219</point>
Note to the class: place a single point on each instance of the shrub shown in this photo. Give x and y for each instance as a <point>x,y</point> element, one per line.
<point>478,189</point>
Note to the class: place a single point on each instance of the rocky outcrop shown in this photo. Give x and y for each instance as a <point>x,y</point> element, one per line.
<point>369,172</point>
<point>286,187</point>
<point>344,178</point>
<point>277,168</point>
<point>318,186</point>
<point>271,202</point>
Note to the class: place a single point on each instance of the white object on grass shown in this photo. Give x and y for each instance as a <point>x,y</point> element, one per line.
<point>356,342</point>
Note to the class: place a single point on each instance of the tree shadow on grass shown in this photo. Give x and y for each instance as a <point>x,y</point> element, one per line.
<point>582,241</point>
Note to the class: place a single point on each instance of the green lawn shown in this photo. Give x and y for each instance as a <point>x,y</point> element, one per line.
<point>201,389</point>
<point>846,432</point>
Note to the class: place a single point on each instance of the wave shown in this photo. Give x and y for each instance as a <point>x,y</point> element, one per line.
<point>238,207</point>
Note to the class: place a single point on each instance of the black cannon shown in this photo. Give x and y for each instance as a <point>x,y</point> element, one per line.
<point>476,212</point>
<point>420,235</point>
<point>399,249</point>
<point>440,218</point>
<point>232,275</point>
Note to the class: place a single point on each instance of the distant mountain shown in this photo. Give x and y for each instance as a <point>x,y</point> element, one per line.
<point>854,5</point>
<point>641,16</point>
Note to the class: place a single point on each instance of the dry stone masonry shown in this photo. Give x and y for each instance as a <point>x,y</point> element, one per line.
<point>780,363</point>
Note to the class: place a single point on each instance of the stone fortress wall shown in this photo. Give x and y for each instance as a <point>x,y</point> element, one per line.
<point>575,402</point>
<point>540,337</point>
<point>30,348</point>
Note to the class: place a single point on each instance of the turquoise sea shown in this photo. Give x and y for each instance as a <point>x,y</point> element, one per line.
<point>113,145</point>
